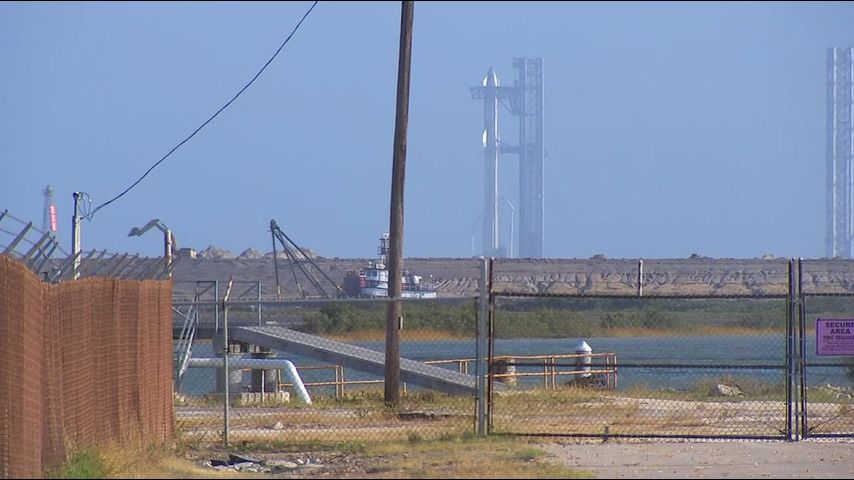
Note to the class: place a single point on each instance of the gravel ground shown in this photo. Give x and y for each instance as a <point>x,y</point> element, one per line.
<point>709,459</point>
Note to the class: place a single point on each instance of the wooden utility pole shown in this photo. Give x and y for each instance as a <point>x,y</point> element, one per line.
<point>394,319</point>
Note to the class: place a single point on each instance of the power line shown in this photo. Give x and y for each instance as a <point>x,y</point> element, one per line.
<point>92,214</point>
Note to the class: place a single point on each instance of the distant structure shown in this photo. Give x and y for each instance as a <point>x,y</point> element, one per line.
<point>525,101</point>
<point>49,223</point>
<point>490,93</point>
<point>840,152</point>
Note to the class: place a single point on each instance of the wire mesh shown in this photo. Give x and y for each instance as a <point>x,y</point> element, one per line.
<point>337,348</point>
<point>665,366</point>
<point>83,363</point>
<point>827,378</point>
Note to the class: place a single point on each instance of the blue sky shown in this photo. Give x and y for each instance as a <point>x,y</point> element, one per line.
<point>671,128</point>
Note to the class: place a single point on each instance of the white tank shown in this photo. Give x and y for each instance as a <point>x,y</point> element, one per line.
<point>584,363</point>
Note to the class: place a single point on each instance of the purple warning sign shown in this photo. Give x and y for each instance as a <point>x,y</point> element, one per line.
<point>834,336</point>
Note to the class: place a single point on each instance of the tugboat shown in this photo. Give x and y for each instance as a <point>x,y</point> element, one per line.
<point>372,281</point>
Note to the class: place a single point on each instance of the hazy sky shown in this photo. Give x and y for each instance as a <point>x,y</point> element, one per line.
<point>670,128</point>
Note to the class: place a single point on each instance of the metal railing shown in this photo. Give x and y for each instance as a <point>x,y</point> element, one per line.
<point>28,244</point>
<point>41,252</point>
<point>550,364</point>
<point>551,367</point>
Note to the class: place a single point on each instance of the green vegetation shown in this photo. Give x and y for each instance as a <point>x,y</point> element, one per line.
<point>562,317</point>
<point>87,463</point>
<point>528,454</point>
<point>414,437</point>
<point>346,318</point>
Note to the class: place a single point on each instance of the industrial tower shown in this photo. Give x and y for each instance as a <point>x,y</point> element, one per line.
<point>840,152</point>
<point>49,216</point>
<point>491,93</point>
<point>525,101</point>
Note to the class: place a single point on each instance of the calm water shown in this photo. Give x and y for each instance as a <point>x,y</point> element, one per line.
<point>708,351</point>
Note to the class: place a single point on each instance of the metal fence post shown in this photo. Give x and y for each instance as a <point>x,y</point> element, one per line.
<point>75,237</point>
<point>216,305</point>
<point>482,314</point>
<point>225,361</point>
<point>490,328</point>
<point>802,353</point>
<point>790,344</point>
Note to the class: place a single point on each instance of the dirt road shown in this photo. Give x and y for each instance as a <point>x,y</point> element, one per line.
<point>711,459</point>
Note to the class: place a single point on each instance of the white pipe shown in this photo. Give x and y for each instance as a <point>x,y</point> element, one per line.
<point>289,369</point>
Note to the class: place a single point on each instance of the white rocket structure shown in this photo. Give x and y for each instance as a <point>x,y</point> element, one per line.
<point>525,101</point>
<point>49,223</point>
<point>491,232</point>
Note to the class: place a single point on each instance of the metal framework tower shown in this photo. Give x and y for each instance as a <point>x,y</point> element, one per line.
<point>529,108</point>
<point>525,101</point>
<point>840,152</point>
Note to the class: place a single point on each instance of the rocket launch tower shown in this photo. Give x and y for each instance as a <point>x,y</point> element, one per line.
<point>525,101</point>
<point>840,152</point>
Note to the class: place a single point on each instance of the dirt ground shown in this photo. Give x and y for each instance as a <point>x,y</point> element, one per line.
<point>708,459</point>
<point>519,458</point>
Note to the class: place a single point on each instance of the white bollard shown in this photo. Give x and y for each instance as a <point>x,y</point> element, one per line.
<point>584,362</point>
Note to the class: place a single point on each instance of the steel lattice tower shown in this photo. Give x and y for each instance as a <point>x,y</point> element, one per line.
<point>529,109</point>
<point>840,152</point>
<point>525,101</point>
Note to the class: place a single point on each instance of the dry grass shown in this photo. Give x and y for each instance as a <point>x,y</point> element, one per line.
<point>693,330</point>
<point>469,458</point>
<point>452,457</point>
<point>174,467</point>
<point>363,417</point>
<point>117,462</point>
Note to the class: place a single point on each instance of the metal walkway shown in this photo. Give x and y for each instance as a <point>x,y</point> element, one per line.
<point>350,356</point>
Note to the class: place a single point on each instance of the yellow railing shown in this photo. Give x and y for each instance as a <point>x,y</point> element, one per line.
<point>552,364</point>
<point>551,370</point>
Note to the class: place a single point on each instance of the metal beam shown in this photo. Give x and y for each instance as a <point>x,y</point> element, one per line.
<point>358,358</point>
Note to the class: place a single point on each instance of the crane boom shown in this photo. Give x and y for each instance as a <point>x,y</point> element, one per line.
<point>301,262</point>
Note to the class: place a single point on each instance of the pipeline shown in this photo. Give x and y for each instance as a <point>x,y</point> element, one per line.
<point>289,369</point>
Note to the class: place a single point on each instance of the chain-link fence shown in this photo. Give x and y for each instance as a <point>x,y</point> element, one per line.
<point>827,376</point>
<point>652,367</point>
<point>826,348</point>
<point>313,370</point>
<point>772,361</point>
<point>588,359</point>
<point>577,356</point>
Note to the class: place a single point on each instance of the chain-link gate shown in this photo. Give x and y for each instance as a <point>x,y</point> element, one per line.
<point>826,362</point>
<point>642,366</point>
